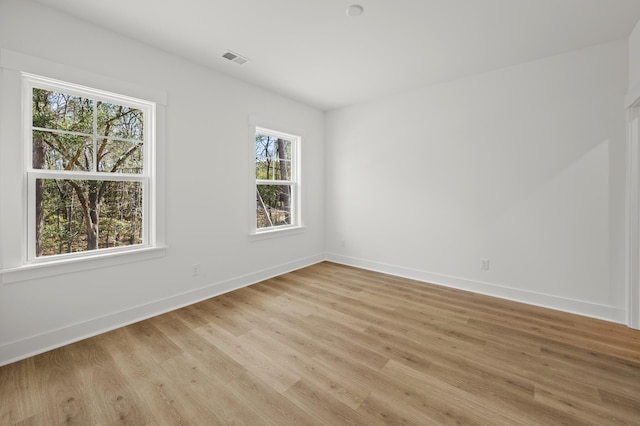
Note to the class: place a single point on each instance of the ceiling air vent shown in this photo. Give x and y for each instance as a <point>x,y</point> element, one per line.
<point>234,57</point>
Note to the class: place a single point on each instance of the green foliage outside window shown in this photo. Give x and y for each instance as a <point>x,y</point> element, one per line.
<point>78,134</point>
<point>274,174</point>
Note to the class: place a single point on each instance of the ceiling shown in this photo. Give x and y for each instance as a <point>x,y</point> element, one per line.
<point>311,51</point>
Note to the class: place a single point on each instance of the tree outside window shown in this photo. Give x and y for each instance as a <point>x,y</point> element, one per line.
<point>276,179</point>
<point>89,177</point>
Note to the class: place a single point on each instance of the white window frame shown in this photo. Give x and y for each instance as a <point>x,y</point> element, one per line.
<point>15,264</point>
<point>31,81</point>
<point>295,182</point>
<point>633,213</point>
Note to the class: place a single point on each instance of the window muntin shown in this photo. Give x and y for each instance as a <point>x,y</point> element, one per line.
<point>89,168</point>
<point>276,180</point>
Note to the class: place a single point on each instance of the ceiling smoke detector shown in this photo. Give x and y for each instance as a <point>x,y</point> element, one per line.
<point>355,10</point>
<point>235,58</point>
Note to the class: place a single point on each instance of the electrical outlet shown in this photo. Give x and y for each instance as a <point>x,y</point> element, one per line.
<point>343,243</point>
<point>195,270</point>
<point>484,264</point>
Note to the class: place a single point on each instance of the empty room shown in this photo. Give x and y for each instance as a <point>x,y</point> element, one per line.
<point>320,212</point>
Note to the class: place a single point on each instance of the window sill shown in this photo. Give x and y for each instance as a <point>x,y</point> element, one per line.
<point>274,233</point>
<point>59,267</point>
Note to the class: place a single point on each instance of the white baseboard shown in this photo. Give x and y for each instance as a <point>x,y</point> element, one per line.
<point>33,345</point>
<point>607,313</point>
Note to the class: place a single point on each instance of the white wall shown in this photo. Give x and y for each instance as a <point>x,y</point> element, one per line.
<point>207,213</point>
<point>523,166</point>
<point>634,60</point>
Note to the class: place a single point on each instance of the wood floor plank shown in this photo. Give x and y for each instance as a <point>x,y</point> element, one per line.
<point>332,344</point>
<point>320,407</point>
<point>204,391</point>
<point>112,397</point>
<point>146,335</point>
<point>253,360</point>
<point>583,409</point>
<point>19,399</point>
<point>223,313</point>
<point>146,378</point>
<point>329,337</point>
<point>271,407</point>
<point>534,364</point>
<point>347,320</point>
<point>171,401</point>
<point>453,403</point>
<point>57,380</point>
<point>201,351</point>
<point>334,385</point>
<point>290,336</point>
<point>381,409</point>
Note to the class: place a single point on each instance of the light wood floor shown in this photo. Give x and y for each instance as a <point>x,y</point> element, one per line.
<point>335,345</point>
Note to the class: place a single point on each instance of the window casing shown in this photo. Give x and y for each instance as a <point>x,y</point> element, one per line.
<point>89,161</point>
<point>276,176</point>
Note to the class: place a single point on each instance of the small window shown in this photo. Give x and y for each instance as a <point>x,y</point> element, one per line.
<point>277,183</point>
<point>89,159</point>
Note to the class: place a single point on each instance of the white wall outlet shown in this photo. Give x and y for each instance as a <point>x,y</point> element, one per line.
<point>343,243</point>
<point>195,270</point>
<point>484,264</point>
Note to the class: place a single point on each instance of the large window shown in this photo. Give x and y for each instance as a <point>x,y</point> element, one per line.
<point>277,183</point>
<point>90,161</point>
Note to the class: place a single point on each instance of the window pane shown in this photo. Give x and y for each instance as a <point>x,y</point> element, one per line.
<point>273,205</point>
<point>56,151</point>
<point>120,121</point>
<point>116,156</point>
<point>61,111</point>
<point>79,215</point>
<point>273,158</point>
